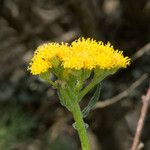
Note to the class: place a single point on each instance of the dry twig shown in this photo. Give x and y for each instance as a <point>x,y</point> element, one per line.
<point>123,94</point>
<point>146,100</point>
<point>141,52</point>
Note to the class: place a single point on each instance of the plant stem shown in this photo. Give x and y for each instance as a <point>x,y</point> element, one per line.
<point>46,77</point>
<point>52,83</point>
<point>93,82</point>
<point>87,89</point>
<point>80,126</point>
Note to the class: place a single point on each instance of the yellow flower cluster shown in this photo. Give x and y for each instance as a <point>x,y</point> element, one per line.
<point>82,53</point>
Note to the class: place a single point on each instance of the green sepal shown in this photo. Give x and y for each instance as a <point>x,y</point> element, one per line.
<point>103,72</point>
<point>46,76</point>
<point>92,102</point>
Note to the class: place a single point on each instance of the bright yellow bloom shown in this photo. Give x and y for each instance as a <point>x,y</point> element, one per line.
<point>82,53</point>
<point>41,60</point>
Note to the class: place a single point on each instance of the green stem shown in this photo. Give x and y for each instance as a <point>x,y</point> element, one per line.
<point>80,126</point>
<point>52,83</point>
<point>87,89</point>
<point>93,82</point>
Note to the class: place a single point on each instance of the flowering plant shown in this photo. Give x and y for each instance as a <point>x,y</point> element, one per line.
<point>72,65</point>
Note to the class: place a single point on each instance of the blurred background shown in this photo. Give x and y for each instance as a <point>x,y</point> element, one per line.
<point>31,117</point>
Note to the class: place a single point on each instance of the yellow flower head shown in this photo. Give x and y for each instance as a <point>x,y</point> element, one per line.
<point>41,60</point>
<point>80,54</point>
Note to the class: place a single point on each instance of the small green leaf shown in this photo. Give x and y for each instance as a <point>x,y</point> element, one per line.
<point>61,98</point>
<point>92,102</point>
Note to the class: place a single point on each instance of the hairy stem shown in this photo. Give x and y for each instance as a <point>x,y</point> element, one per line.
<point>80,126</point>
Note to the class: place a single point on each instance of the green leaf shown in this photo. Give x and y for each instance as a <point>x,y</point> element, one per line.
<point>65,97</point>
<point>92,102</point>
<point>61,98</point>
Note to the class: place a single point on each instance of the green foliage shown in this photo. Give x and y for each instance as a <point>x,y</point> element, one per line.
<point>15,125</point>
<point>92,102</point>
<point>64,143</point>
